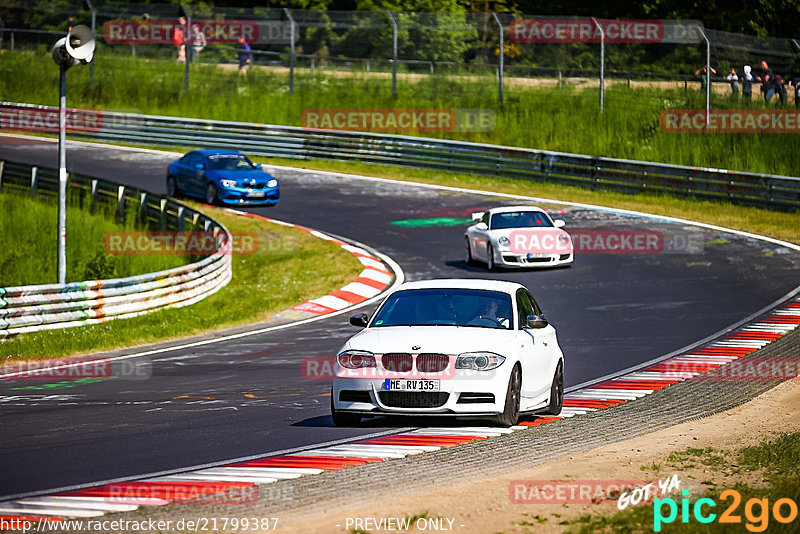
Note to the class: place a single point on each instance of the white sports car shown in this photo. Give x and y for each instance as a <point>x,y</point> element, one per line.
<point>518,236</point>
<point>475,348</point>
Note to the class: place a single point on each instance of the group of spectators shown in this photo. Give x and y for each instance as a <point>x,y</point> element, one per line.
<point>771,84</point>
<point>199,42</point>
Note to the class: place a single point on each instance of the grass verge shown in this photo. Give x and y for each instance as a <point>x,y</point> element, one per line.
<point>779,225</point>
<point>763,475</point>
<point>29,235</point>
<point>291,266</point>
<point>537,116</point>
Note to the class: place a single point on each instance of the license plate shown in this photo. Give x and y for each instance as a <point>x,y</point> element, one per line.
<point>256,194</point>
<point>411,385</point>
<point>531,256</point>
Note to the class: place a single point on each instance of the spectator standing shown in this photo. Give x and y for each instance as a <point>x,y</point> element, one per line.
<point>198,41</point>
<point>178,39</point>
<point>733,79</point>
<point>796,84</point>
<point>245,56</point>
<point>747,83</point>
<point>780,88</point>
<point>703,73</point>
<point>767,80</point>
<point>70,23</point>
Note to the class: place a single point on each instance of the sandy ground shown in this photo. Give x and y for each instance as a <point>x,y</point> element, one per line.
<point>484,506</point>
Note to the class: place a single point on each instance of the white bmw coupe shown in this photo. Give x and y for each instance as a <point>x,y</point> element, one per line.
<point>518,236</point>
<point>470,348</point>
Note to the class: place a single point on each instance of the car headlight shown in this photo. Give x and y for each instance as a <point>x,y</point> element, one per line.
<point>272,183</point>
<point>228,183</point>
<point>479,361</point>
<point>503,241</point>
<point>563,239</point>
<point>356,359</point>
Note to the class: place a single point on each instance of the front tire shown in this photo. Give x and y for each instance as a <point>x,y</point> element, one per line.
<point>172,186</point>
<point>490,258</point>
<point>556,392</point>
<point>510,415</point>
<point>211,194</point>
<point>343,419</point>
<point>469,259</point>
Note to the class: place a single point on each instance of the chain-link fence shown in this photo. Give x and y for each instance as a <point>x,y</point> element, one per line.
<point>491,54</point>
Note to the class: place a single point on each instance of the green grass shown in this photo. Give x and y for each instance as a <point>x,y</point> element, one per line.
<point>28,244</point>
<point>546,118</point>
<point>777,458</point>
<point>293,267</point>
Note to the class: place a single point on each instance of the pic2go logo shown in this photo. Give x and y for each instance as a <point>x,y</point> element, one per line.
<point>756,511</point>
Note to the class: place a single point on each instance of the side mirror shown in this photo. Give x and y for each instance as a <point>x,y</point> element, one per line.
<point>482,226</point>
<point>536,321</point>
<point>478,215</point>
<point>258,166</point>
<point>199,166</point>
<point>359,319</point>
<point>559,223</point>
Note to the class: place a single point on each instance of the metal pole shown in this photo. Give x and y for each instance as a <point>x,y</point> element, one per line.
<point>708,75</point>
<point>62,176</point>
<point>291,54</point>
<point>501,33</point>
<point>796,44</point>
<point>394,52</point>
<point>187,47</point>
<point>94,26</point>
<point>602,61</point>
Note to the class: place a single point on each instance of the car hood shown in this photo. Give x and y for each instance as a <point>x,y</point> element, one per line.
<point>239,176</point>
<point>438,339</point>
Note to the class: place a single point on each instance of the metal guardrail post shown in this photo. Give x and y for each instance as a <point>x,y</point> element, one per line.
<point>94,192</point>
<point>501,56</point>
<point>187,47</point>
<point>143,206</point>
<point>794,41</point>
<point>163,215</point>
<point>602,61</point>
<point>34,181</point>
<point>180,220</point>
<point>94,27</point>
<point>2,168</point>
<point>394,52</point>
<point>121,203</point>
<point>708,75</point>
<point>291,50</point>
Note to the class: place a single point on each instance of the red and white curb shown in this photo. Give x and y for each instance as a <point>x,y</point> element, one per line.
<point>373,280</point>
<point>201,486</point>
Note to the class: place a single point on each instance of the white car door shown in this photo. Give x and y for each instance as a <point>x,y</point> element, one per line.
<point>480,237</point>
<point>537,352</point>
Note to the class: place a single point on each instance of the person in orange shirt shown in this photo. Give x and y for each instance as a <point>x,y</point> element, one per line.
<point>178,38</point>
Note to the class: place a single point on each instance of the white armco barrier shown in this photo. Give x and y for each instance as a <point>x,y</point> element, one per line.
<point>26,309</point>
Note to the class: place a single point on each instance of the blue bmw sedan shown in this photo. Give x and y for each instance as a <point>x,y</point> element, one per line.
<point>221,176</point>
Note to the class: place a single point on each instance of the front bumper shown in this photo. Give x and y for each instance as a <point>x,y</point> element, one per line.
<point>466,395</point>
<point>239,196</point>
<point>511,259</point>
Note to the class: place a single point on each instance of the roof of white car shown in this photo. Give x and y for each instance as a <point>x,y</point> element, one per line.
<point>506,209</point>
<point>463,283</point>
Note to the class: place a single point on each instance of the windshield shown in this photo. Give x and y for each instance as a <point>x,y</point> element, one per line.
<point>446,307</point>
<point>520,219</point>
<point>230,162</point>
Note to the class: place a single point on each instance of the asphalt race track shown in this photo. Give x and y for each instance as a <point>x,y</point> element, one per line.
<point>247,397</point>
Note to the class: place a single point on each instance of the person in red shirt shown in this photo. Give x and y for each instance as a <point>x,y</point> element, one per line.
<point>178,38</point>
